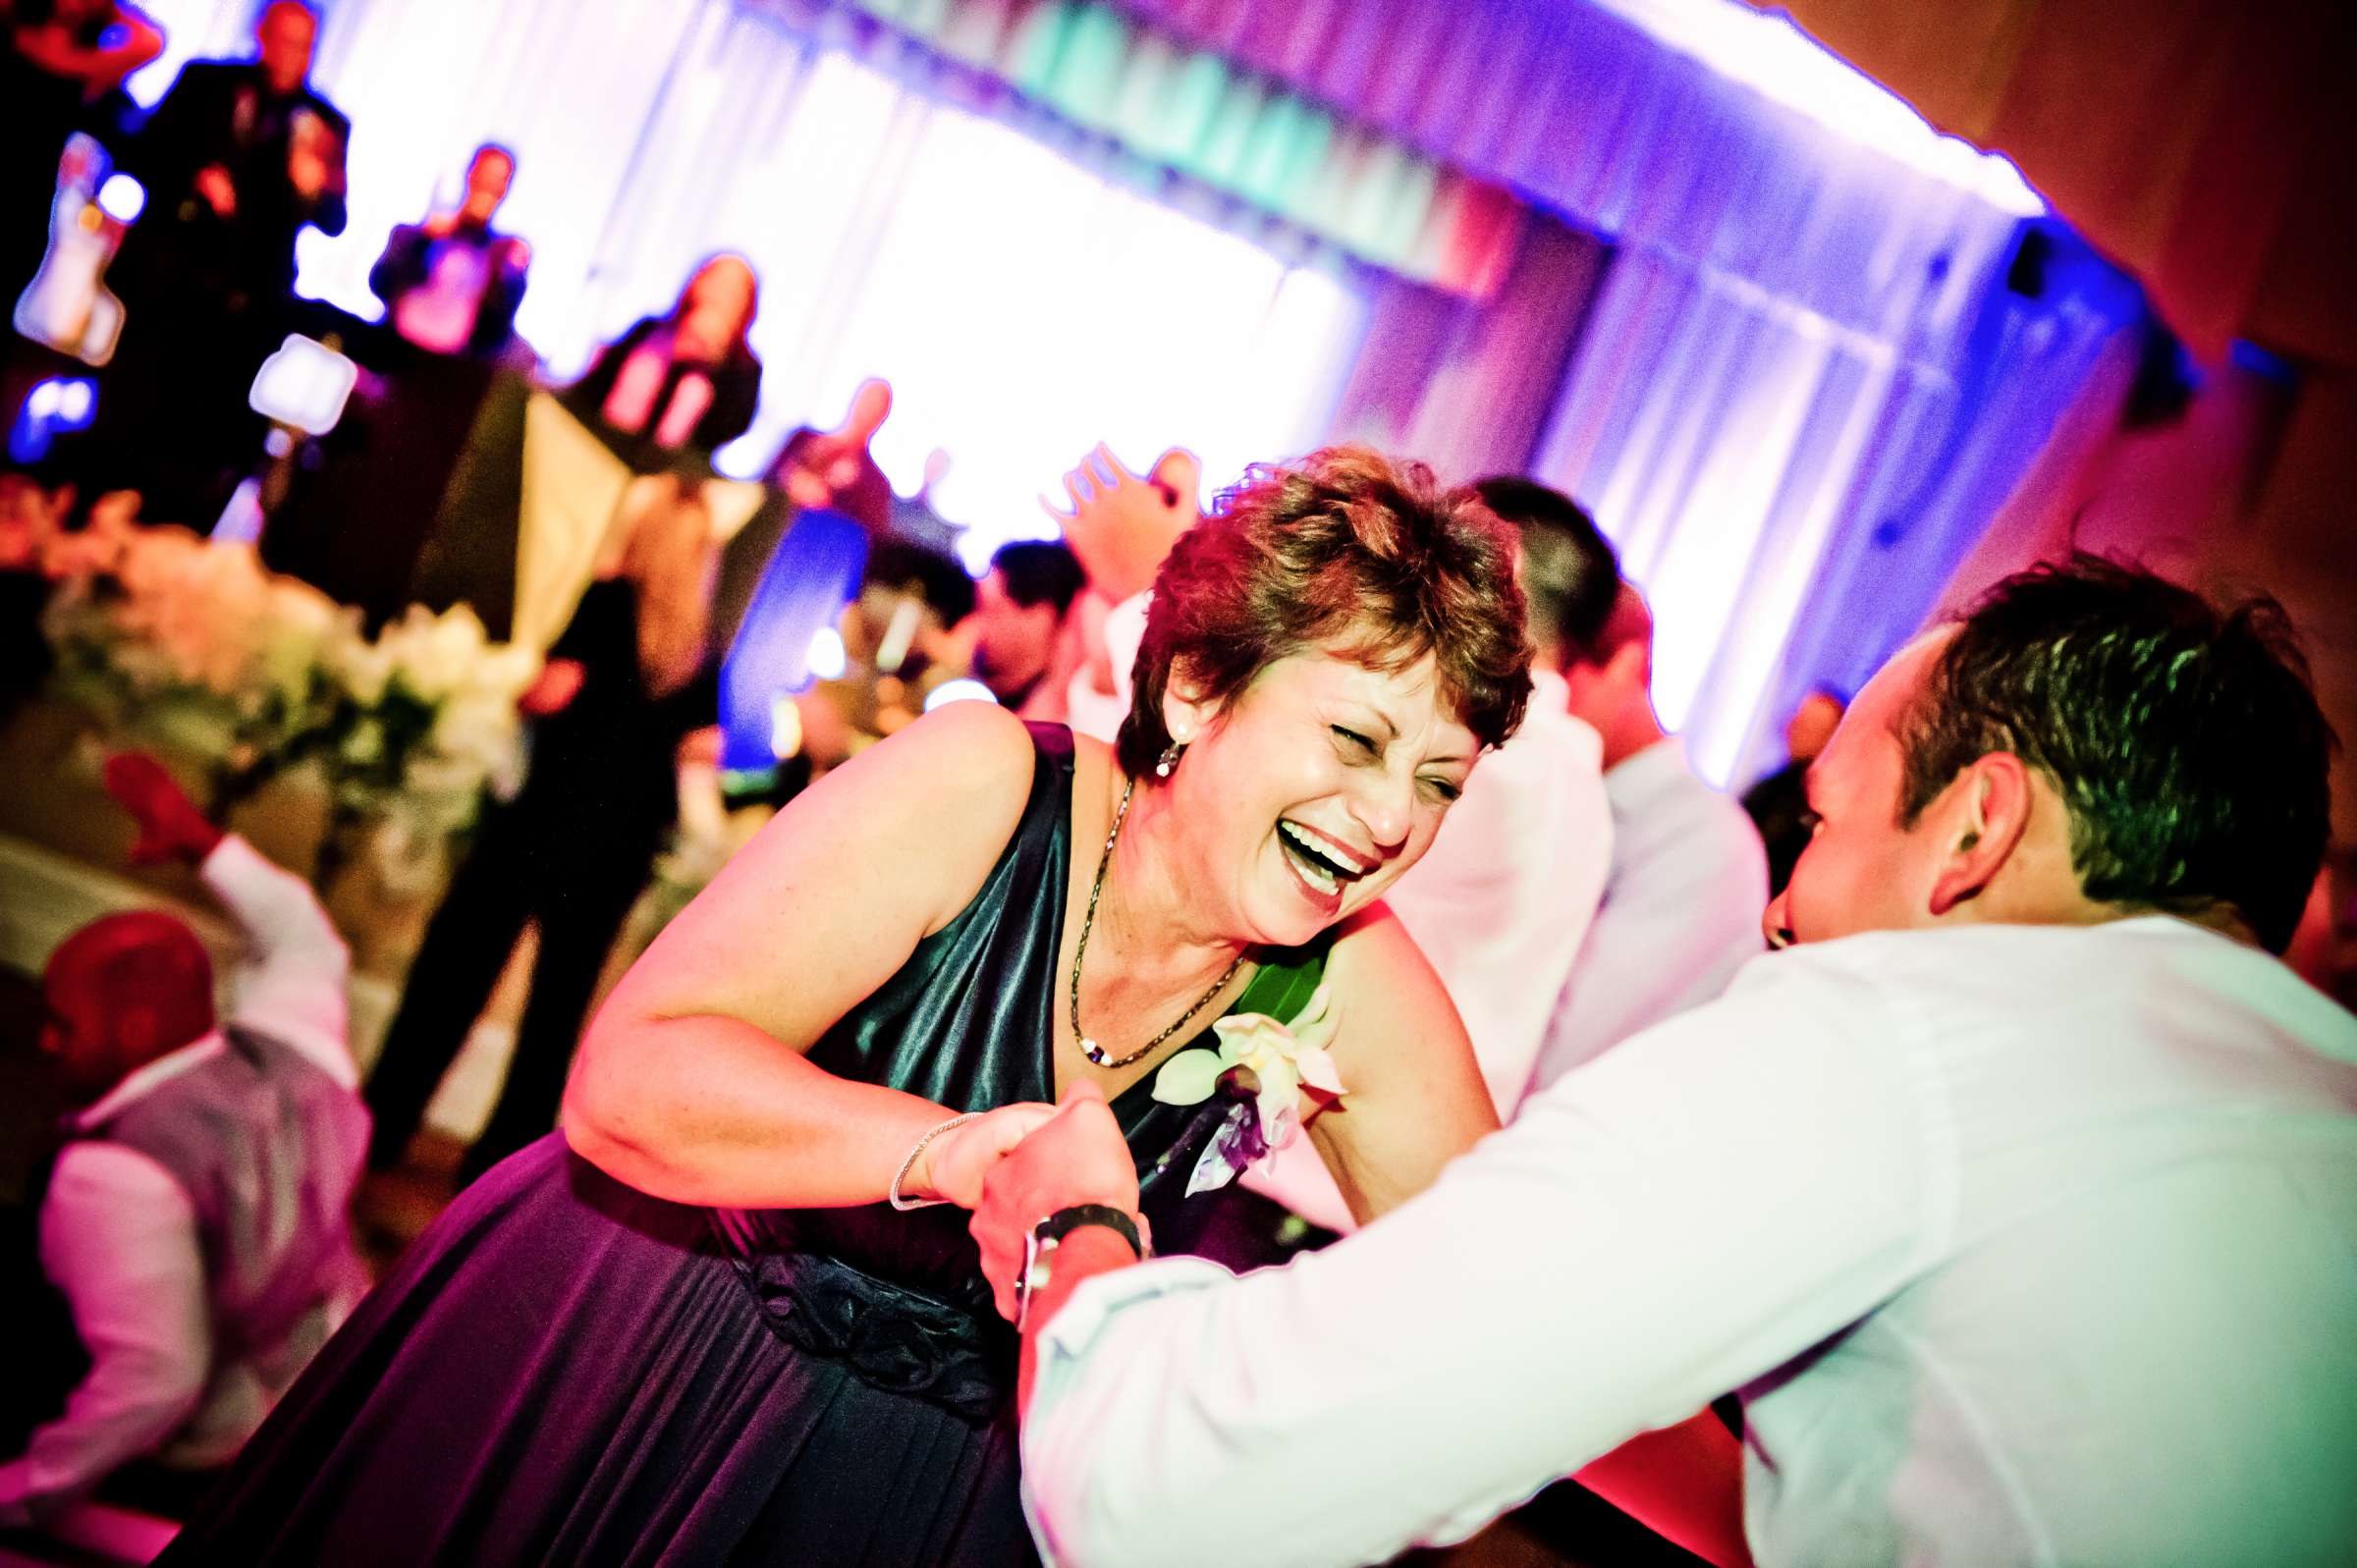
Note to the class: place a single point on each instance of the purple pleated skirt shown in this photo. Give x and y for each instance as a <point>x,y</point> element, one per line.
<point>567,1370</point>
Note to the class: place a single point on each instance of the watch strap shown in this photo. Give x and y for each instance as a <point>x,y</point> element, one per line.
<point>1063,1221</point>
<point>1039,1246</point>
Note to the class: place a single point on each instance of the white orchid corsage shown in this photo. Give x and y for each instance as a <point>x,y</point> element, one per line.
<point>1263,1064</point>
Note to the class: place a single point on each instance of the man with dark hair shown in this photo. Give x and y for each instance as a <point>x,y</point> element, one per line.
<point>452,284</point>
<point>237,159</point>
<point>2186,745</point>
<point>1018,613</point>
<point>1680,912</point>
<point>2017,1199</point>
<point>194,1222</point>
<point>1571,579</point>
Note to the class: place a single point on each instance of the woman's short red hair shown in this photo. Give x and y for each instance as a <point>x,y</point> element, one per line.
<point>1345,550</point>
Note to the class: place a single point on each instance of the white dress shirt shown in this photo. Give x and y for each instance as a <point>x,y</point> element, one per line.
<point>119,1236</point>
<point>2025,1245</point>
<point>1500,904</point>
<point>1680,912</point>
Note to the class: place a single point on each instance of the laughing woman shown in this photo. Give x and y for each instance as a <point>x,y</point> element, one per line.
<point>701,1325</point>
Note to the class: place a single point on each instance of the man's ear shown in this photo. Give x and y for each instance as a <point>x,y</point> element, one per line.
<point>1983,814</point>
<point>1630,667</point>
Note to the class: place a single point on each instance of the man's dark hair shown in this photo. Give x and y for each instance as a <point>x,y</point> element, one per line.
<point>1040,571</point>
<point>938,578</point>
<point>2186,739</point>
<point>1569,577</point>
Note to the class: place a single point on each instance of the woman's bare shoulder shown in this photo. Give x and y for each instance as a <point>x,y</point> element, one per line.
<point>951,786</point>
<point>1371,946</point>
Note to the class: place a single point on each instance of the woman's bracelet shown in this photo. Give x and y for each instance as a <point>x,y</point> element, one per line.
<point>909,1163</point>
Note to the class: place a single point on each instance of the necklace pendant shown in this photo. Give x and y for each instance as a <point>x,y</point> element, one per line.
<point>1093,1052</point>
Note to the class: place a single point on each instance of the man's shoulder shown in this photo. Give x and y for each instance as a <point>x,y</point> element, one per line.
<point>212,75</point>
<point>2131,967</point>
<point>317,102</point>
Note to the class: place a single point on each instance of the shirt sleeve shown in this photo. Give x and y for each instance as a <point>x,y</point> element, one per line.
<point>119,1238</point>
<point>1517,872</point>
<point>1691,1211</point>
<point>291,983</point>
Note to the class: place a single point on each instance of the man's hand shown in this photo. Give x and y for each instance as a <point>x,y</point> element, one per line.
<point>558,684</point>
<point>1122,525</point>
<point>1078,1157</point>
<point>220,193</point>
<point>314,160</point>
<point>170,824</point>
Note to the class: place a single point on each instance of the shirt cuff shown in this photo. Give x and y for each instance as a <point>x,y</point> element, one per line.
<point>1068,1335</point>
<point>234,862</point>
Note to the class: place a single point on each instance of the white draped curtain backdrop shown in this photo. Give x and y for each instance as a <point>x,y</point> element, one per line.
<point>1791,489</point>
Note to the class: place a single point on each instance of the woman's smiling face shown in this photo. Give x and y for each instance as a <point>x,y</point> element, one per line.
<point>1309,795</point>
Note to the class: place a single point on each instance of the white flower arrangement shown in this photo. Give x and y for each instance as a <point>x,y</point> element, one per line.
<point>166,638</point>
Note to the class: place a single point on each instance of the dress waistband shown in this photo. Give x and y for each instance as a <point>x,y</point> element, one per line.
<point>891,1337</point>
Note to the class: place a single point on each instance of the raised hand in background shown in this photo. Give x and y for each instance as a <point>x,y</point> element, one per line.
<point>170,824</point>
<point>1120,524</point>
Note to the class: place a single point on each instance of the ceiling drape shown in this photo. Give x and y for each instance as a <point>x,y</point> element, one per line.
<point>2210,148</point>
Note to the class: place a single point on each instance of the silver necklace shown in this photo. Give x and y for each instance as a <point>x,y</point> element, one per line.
<point>1089,1048</point>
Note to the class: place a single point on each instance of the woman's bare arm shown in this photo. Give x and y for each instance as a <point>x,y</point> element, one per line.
<point>1414,1097</point>
<point>690,1083</point>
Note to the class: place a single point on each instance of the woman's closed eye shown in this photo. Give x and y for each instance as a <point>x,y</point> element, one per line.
<point>1362,748</point>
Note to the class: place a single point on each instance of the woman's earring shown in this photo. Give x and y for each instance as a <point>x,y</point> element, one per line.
<point>1167,760</point>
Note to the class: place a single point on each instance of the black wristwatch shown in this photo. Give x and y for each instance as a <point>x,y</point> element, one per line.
<point>1039,1246</point>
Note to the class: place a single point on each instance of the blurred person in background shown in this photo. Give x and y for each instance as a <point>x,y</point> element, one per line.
<point>195,1221</point>
<point>834,470</point>
<point>918,518</point>
<point>1681,904</point>
<point>1017,628</point>
<point>61,70</point>
<point>829,507</point>
<point>452,284</point>
<point>239,157</point>
<point>626,682</point>
<point>686,381</point>
<point>899,644</point>
<point>1778,803</point>
<point>1120,527</point>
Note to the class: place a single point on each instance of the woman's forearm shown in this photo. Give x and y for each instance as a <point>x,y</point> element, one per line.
<point>709,1109</point>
